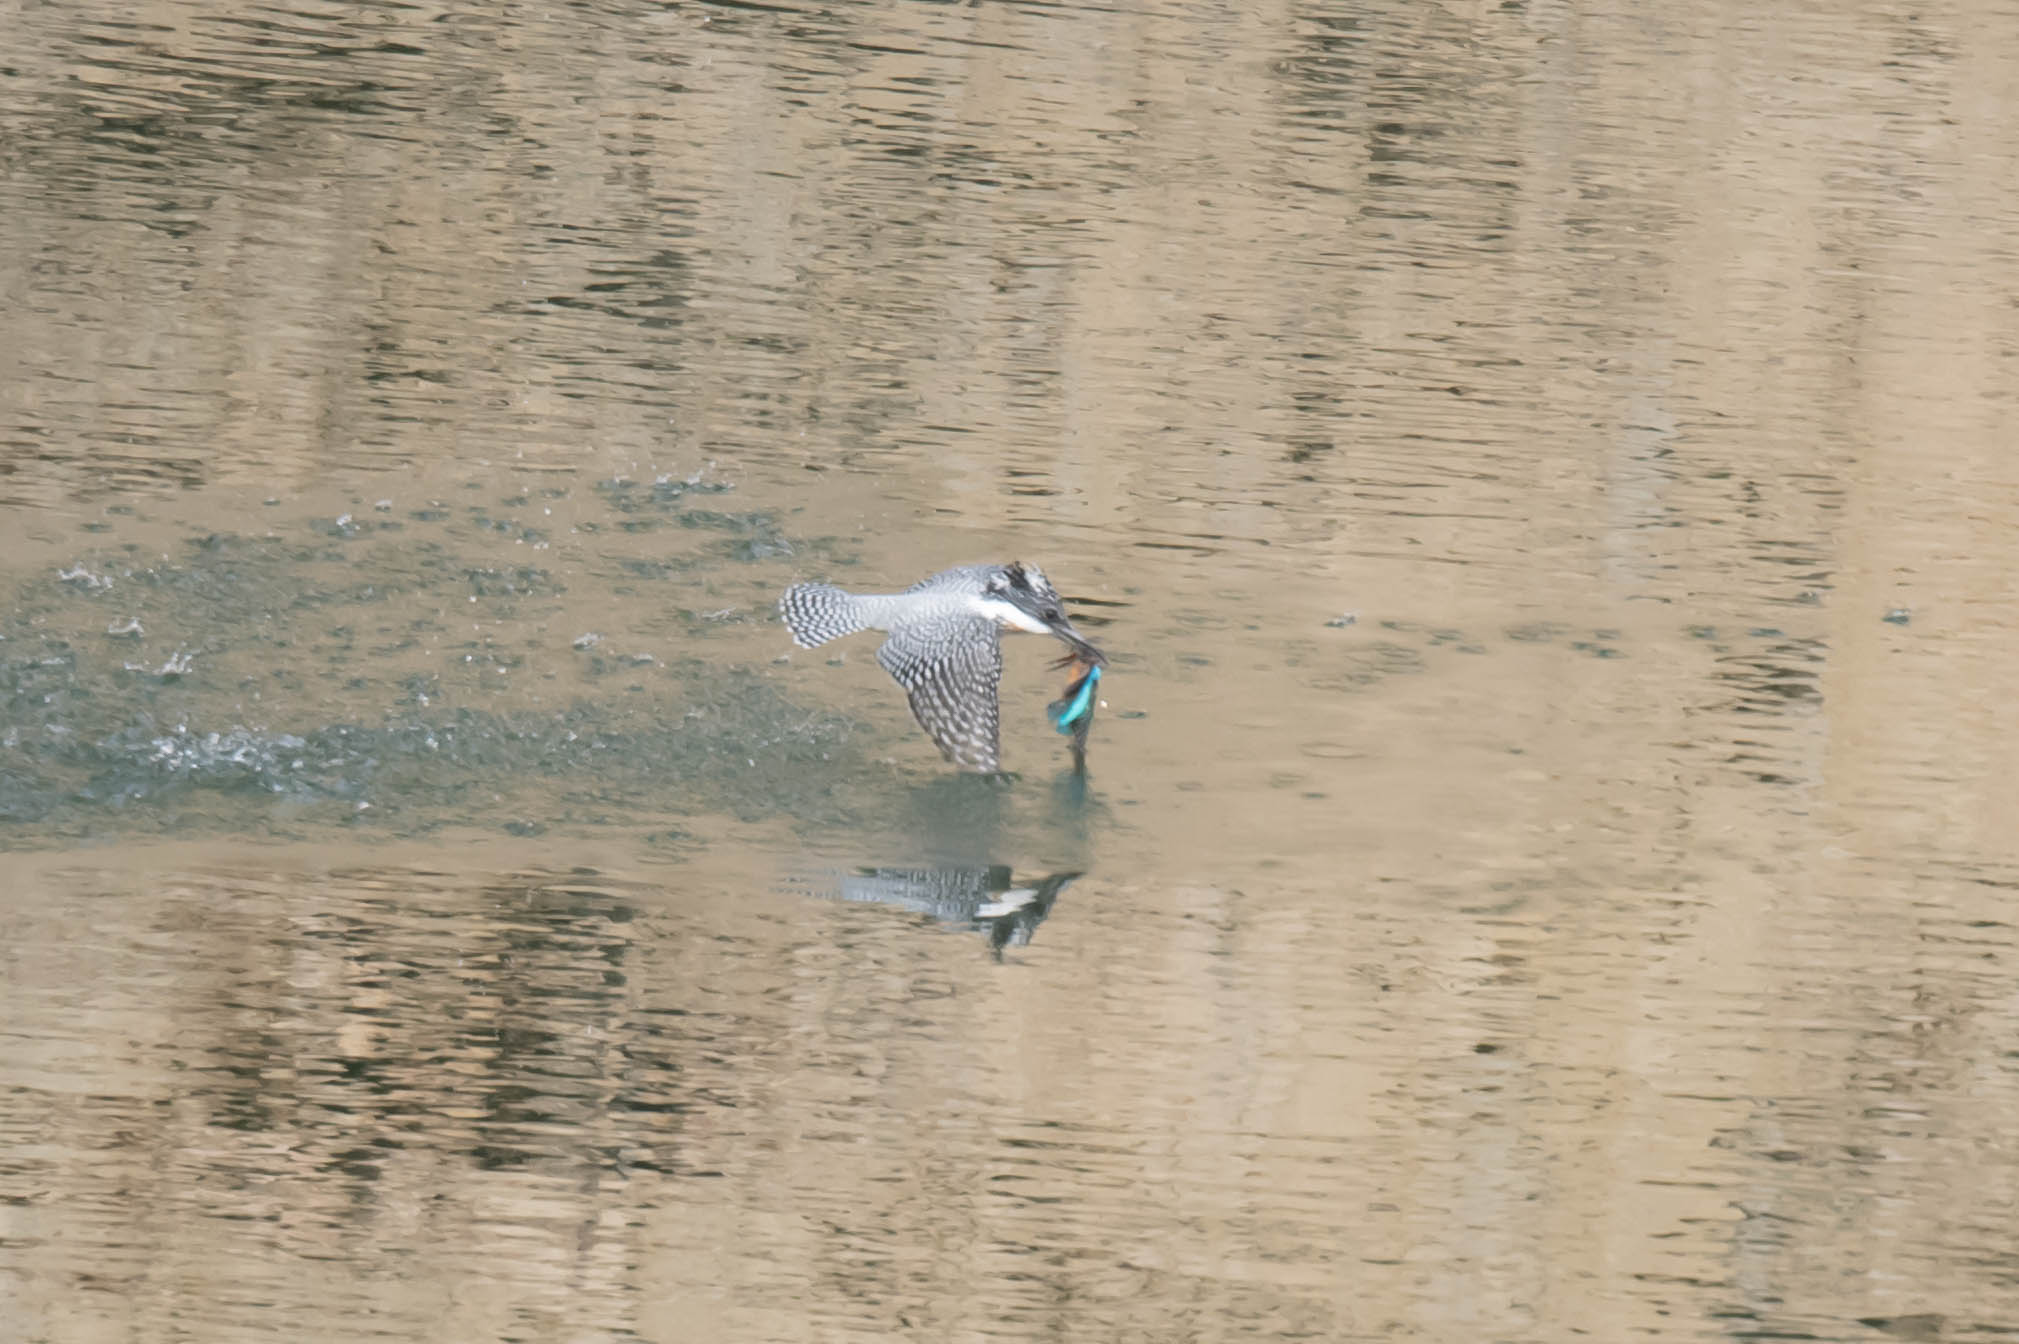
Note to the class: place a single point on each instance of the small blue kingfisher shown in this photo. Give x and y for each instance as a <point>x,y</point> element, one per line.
<point>945,649</point>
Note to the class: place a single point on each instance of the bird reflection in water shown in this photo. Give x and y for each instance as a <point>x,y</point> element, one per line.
<point>986,899</point>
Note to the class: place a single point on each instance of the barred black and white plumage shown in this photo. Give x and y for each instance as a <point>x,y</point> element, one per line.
<point>989,899</point>
<point>818,612</point>
<point>945,646</point>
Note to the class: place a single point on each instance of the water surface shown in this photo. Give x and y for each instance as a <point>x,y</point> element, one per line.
<point>1542,472</point>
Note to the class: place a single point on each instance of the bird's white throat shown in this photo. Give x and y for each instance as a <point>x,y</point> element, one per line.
<point>1007,613</point>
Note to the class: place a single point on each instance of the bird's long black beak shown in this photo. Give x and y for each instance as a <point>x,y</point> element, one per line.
<point>1083,651</point>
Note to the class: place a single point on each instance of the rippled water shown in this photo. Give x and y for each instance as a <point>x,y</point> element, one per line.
<point>1543,473</point>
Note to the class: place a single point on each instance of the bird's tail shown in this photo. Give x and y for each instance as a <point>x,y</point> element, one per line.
<point>818,612</point>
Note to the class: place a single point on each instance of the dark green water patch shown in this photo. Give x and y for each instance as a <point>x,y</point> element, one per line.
<point>84,761</point>
<point>664,495</point>
<point>341,673</point>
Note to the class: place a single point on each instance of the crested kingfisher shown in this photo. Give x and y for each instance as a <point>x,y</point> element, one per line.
<point>945,647</point>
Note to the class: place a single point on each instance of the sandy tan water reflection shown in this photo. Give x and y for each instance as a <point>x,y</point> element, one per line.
<point>474,1105</point>
<point>409,415</point>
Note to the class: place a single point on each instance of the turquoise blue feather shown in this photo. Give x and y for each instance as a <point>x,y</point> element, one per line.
<point>1077,703</point>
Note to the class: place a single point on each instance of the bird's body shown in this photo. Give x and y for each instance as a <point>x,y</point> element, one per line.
<point>945,645</point>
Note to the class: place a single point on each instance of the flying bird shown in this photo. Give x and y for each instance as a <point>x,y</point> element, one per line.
<point>945,646</point>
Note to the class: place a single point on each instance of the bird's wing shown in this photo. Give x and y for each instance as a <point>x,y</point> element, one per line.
<point>950,672</point>
<point>944,893</point>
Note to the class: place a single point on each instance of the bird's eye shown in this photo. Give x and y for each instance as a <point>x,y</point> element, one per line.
<point>1054,614</point>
